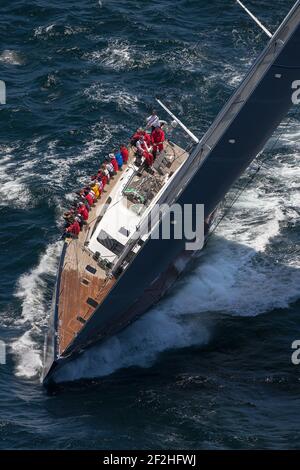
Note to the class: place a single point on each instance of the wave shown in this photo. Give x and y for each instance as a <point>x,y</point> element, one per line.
<point>121,55</point>
<point>34,290</point>
<point>11,57</point>
<point>13,189</point>
<point>123,99</point>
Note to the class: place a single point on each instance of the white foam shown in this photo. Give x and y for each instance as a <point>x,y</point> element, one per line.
<point>137,346</point>
<point>121,55</point>
<point>11,57</point>
<point>13,189</point>
<point>123,99</point>
<point>28,356</point>
<point>32,290</point>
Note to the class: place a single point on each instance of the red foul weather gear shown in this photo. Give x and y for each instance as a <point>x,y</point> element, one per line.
<point>82,210</point>
<point>148,158</point>
<point>89,199</point>
<point>74,228</point>
<point>158,138</point>
<point>124,153</point>
<point>115,164</point>
<point>147,138</point>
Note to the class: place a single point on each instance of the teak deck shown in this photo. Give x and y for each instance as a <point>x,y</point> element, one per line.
<point>84,284</point>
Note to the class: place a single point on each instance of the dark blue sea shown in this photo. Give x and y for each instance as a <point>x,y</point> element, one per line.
<point>210,366</point>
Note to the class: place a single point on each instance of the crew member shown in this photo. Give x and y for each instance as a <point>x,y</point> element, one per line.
<point>158,138</point>
<point>148,158</point>
<point>124,153</point>
<point>136,136</point>
<point>95,188</point>
<point>142,146</point>
<point>83,211</point>
<point>106,172</point>
<point>73,230</point>
<point>147,138</point>
<point>89,198</point>
<point>114,162</point>
<point>119,159</point>
<point>153,120</point>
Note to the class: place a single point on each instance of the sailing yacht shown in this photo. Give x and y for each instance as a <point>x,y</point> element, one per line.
<point>115,271</point>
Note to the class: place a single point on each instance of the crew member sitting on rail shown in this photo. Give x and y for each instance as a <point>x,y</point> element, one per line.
<point>105,172</point>
<point>95,188</point>
<point>114,162</point>
<point>73,230</point>
<point>153,120</point>
<point>158,138</point>
<point>109,166</point>
<point>102,177</point>
<point>119,159</point>
<point>83,211</point>
<point>80,220</point>
<point>124,153</point>
<point>69,217</point>
<point>89,197</point>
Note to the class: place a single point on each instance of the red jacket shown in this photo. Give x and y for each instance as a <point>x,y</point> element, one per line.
<point>74,228</point>
<point>124,153</point>
<point>103,178</point>
<point>136,135</point>
<point>89,199</point>
<point>147,138</point>
<point>82,210</point>
<point>158,136</point>
<point>114,164</point>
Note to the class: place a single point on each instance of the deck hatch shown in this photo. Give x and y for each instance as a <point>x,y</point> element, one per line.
<point>81,320</point>
<point>92,302</point>
<point>90,269</point>
<point>124,231</point>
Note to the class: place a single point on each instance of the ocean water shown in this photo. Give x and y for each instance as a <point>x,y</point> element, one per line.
<point>210,366</point>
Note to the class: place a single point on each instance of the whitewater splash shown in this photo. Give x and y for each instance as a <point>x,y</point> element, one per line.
<point>35,291</point>
<point>121,55</point>
<point>11,57</point>
<point>13,189</point>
